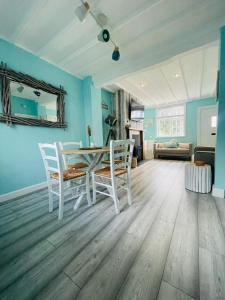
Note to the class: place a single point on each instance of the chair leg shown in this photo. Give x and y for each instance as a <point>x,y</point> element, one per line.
<point>77,204</point>
<point>115,198</point>
<point>50,200</point>
<point>129,190</point>
<point>61,201</point>
<point>94,188</point>
<point>88,189</point>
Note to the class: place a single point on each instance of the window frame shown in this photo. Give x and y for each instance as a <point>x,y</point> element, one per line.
<point>171,117</point>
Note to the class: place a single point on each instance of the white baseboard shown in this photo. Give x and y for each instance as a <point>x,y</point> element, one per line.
<point>22,192</point>
<point>216,192</point>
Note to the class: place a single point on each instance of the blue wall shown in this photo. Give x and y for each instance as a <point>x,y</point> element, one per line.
<point>220,147</point>
<point>24,106</point>
<point>92,111</point>
<point>191,122</point>
<point>20,161</point>
<point>96,109</point>
<point>107,98</point>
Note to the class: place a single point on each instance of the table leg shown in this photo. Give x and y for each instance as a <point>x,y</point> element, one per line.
<point>92,162</point>
<point>95,161</point>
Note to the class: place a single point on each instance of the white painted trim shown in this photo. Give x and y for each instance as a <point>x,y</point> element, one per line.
<point>23,191</point>
<point>217,192</point>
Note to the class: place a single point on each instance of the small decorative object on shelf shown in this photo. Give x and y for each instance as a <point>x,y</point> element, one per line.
<point>89,135</point>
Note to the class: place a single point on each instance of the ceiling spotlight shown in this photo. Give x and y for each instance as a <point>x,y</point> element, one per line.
<point>101,20</point>
<point>142,85</point>
<point>82,11</point>
<point>37,93</point>
<point>104,36</point>
<point>20,89</point>
<point>177,75</point>
<point>116,54</point>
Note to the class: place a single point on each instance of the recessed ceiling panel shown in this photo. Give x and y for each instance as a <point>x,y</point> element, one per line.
<point>188,76</point>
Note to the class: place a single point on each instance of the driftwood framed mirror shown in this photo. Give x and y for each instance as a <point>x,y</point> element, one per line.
<point>28,101</point>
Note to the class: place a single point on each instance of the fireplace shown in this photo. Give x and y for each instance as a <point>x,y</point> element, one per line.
<point>137,135</point>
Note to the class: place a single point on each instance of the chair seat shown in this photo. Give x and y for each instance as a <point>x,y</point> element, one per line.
<point>116,161</point>
<point>106,172</point>
<point>68,175</point>
<point>79,165</point>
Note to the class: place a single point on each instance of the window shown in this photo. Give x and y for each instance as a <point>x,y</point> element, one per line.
<point>170,121</point>
<point>214,121</point>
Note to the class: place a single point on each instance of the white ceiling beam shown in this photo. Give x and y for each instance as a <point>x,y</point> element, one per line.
<point>184,79</point>
<point>71,22</point>
<point>29,14</point>
<point>123,84</point>
<point>202,72</point>
<point>168,84</point>
<point>136,86</point>
<point>147,6</point>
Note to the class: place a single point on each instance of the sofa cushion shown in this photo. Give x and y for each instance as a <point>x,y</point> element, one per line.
<point>161,145</point>
<point>184,145</point>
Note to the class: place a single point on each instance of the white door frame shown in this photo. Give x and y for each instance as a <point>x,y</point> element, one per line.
<point>200,109</point>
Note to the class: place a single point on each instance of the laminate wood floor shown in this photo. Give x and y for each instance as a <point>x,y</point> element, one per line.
<point>169,245</point>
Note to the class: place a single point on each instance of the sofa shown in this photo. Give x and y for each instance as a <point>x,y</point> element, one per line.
<point>173,149</point>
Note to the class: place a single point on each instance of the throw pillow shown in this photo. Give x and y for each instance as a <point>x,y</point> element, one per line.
<point>171,144</point>
<point>184,145</point>
<point>161,145</point>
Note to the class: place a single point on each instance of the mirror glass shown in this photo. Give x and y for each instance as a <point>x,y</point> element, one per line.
<point>28,102</point>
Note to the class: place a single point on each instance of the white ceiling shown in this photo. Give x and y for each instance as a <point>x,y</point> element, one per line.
<point>147,32</point>
<point>185,77</point>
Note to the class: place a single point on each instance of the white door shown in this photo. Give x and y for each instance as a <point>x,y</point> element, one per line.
<point>207,125</point>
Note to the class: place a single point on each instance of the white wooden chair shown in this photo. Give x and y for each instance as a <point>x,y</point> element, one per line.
<point>71,161</point>
<point>57,177</point>
<point>118,175</point>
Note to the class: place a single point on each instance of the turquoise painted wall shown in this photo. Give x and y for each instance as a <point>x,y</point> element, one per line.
<point>96,109</point>
<point>87,106</point>
<point>191,122</point>
<point>107,98</point>
<point>92,111</point>
<point>24,106</point>
<point>220,147</point>
<point>20,160</point>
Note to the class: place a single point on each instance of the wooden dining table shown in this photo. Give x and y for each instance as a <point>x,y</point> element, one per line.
<point>92,157</point>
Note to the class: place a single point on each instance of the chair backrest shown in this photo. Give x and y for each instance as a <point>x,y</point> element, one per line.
<point>121,150</point>
<point>69,159</point>
<point>52,159</point>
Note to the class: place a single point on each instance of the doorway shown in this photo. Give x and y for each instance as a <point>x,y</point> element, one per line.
<point>207,126</point>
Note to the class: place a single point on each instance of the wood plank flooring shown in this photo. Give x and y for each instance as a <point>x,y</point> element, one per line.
<point>169,245</point>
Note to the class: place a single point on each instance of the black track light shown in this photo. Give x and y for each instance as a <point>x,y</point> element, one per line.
<point>104,36</point>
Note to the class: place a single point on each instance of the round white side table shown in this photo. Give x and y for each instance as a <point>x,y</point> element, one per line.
<point>198,178</point>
